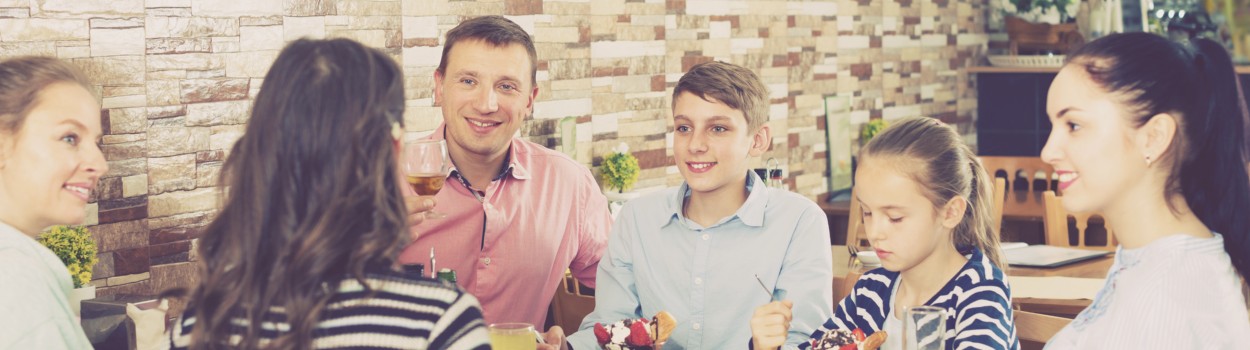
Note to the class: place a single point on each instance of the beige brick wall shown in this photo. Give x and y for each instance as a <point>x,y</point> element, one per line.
<point>177,75</point>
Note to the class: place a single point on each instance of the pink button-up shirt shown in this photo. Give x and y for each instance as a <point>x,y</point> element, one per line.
<point>545,215</point>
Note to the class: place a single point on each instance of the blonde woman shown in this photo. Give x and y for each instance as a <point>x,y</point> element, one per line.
<point>50,163</point>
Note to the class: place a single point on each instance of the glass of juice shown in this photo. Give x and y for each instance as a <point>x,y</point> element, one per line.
<point>512,336</point>
<point>425,167</point>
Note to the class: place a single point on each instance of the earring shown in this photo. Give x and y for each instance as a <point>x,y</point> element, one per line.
<point>1147,160</point>
<point>397,131</point>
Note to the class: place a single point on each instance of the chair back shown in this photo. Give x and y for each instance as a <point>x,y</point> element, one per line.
<point>855,224</point>
<point>1000,196</point>
<point>570,306</point>
<point>1056,222</point>
<point>1037,327</point>
<point>1022,173</point>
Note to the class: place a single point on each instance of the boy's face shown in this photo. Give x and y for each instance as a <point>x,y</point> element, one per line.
<point>711,144</point>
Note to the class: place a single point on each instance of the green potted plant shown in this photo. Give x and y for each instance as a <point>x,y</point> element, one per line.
<point>620,171</point>
<point>74,246</point>
<point>871,129</point>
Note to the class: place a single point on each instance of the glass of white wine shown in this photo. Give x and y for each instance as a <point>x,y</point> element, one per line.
<point>512,336</point>
<point>425,167</point>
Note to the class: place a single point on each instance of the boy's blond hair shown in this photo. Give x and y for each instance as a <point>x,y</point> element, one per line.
<point>735,86</point>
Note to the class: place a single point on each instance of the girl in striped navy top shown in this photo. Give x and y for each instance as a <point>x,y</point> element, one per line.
<point>927,204</point>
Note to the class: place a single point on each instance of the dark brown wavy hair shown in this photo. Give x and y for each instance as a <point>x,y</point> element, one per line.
<point>311,195</point>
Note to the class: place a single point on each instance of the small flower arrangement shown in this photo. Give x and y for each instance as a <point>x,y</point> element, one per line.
<point>73,244</point>
<point>1040,11</point>
<point>620,169</point>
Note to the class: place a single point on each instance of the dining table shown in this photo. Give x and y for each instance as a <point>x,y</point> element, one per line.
<point>847,270</point>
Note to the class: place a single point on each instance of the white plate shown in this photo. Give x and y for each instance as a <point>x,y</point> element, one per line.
<point>868,257</point>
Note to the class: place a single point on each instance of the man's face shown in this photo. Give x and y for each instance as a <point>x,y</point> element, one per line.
<point>486,93</point>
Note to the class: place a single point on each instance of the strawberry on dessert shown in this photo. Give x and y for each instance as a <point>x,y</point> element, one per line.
<point>841,339</point>
<point>639,334</point>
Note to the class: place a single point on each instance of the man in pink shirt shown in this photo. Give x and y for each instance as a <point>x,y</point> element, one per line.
<point>518,214</point>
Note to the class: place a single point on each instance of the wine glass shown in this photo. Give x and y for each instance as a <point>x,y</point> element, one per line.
<point>425,168</point>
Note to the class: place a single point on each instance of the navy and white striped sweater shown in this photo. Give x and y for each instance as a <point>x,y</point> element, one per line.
<point>977,303</point>
<point>401,312</point>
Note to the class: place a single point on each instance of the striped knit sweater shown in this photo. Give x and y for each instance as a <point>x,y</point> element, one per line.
<point>977,303</point>
<point>403,313</point>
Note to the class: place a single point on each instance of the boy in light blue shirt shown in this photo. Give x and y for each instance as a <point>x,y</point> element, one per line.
<point>695,250</point>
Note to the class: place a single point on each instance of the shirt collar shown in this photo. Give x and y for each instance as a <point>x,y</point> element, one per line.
<point>751,213</point>
<point>514,166</point>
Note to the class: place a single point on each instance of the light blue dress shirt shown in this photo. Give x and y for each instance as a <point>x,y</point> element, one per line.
<point>658,260</point>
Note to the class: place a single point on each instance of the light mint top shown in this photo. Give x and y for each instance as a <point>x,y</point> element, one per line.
<point>34,297</point>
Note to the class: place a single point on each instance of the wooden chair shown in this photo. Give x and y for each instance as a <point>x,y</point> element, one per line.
<point>1056,223</point>
<point>570,306</point>
<point>856,237</point>
<point>855,224</point>
<point>1022,173</point>
<point>1037,327</point>
<point>842,285</point>
<point>1000,196</point>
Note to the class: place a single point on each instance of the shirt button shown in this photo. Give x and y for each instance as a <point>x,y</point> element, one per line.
<point>698,281</point>
<point>486,260</point>
<point>696,326</point>
<point>706,237</point>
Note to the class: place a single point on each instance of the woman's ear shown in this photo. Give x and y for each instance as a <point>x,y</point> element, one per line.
<point>953,212</point>
<point>761,141</point>
<point>1155,137</point>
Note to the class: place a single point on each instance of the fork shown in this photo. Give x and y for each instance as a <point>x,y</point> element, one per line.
<point>854,254</point>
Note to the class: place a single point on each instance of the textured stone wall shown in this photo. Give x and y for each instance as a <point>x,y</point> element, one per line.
<point>177,75</point>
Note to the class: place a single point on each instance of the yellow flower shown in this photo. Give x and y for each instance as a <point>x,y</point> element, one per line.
<point>75,248</point>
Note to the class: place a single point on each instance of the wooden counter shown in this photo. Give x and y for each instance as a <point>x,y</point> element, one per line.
<point>994,69</point>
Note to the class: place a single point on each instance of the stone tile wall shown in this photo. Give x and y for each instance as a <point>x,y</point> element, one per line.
<point>177,77</point>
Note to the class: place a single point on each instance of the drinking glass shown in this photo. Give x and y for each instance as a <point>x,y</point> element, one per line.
<point>425,166</point>
<point>512,336</point>
<point>924,328</point>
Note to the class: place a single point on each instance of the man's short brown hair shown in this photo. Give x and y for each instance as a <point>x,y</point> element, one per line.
<point>495,30</point>
<point>735,86</point>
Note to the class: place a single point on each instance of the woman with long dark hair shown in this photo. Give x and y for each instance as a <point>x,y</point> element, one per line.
<point>303,253</point>
<point>1150,133</point>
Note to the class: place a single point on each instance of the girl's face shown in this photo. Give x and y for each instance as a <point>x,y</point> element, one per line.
<point>1096,153</point>
<point>900,222</point>
<point>49,166</point>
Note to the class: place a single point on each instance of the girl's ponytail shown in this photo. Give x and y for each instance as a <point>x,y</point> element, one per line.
<point>977,229</point>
